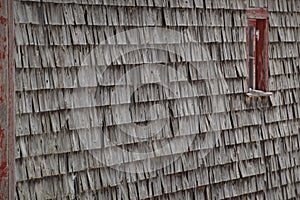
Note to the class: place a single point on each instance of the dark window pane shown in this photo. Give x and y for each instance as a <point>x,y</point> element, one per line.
<point>251,50</point>
<point>251,73</point>
<point>251,41</point>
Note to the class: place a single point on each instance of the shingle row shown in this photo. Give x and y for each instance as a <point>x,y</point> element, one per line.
<point>122,35</point>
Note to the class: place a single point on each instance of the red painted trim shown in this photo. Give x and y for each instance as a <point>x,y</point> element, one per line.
<point>11,101</point>
<point>258,13</point>
<point>3,103</point>
<point>247,50</point>
<point>262,66</point>
<point>267,56</point>
<point>7,153</point>
<point>260,57</point>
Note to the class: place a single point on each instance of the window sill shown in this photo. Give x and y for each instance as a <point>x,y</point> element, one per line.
<point>258,93</point>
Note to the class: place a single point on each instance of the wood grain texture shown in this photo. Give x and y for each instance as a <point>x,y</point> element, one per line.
<point>6,102</point>
<point>83,79</point>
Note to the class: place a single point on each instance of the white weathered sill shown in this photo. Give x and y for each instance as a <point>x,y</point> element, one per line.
<point>258,93</point>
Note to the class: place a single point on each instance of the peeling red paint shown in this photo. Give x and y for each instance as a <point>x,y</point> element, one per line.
<point>3,164</point>
<point>7,181</point>
<point>2,138</point>
<point>1,92</point>
<point>3,20</point>
<point>3,170</point>
<point>3,50</point>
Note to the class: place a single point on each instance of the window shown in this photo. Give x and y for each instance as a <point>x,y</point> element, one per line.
<point>257,49</point>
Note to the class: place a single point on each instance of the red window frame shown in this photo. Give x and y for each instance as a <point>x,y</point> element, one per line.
<point>257,49</point>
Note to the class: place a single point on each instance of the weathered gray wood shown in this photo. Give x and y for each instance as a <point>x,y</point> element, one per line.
<point>76,92</point>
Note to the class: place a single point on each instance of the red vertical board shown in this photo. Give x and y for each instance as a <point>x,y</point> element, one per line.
<point>6,101</point>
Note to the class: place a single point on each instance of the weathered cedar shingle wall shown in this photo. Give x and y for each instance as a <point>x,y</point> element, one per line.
<point>284,50</point>
<point>61,102</point>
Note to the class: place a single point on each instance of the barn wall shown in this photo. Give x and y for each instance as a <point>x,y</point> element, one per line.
<point>71,91</point>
